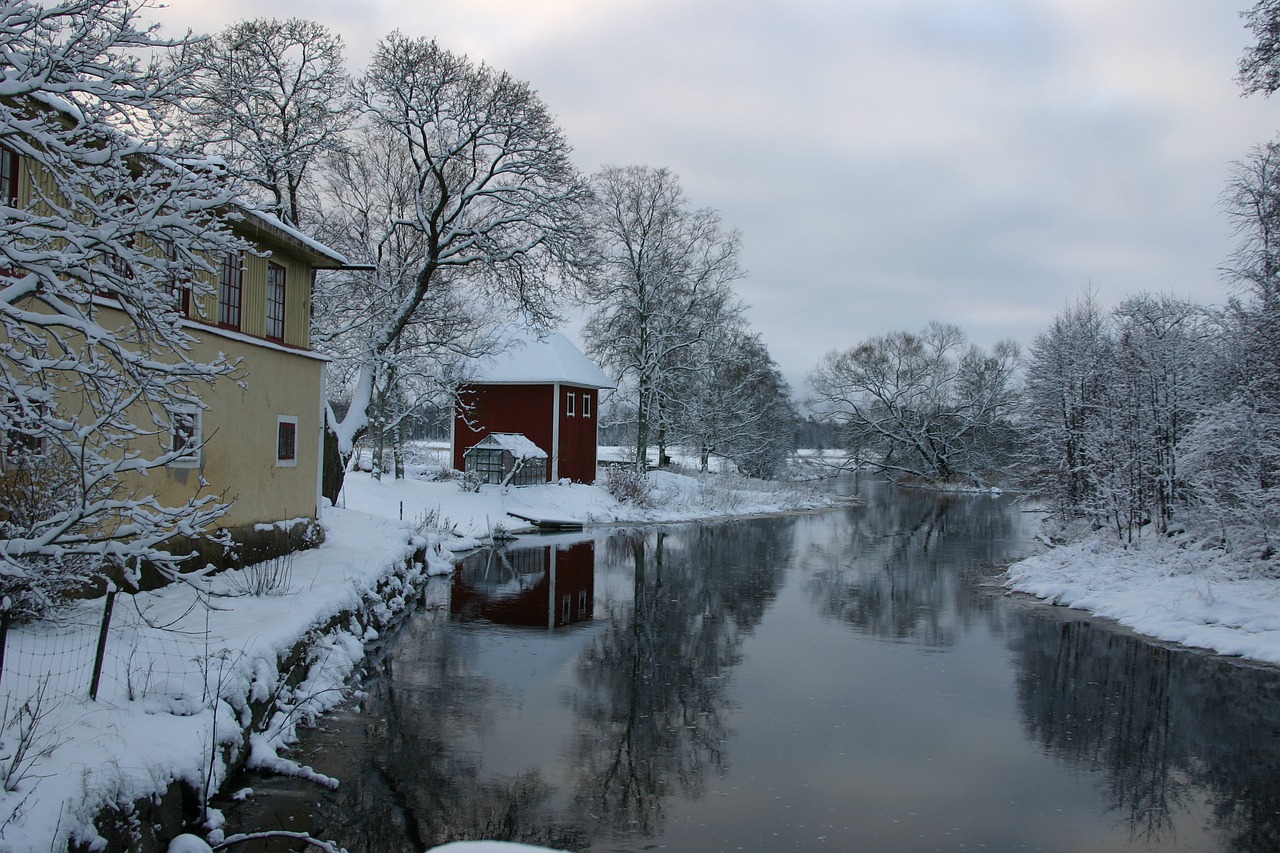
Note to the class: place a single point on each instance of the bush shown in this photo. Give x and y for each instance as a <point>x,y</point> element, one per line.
<point>628,486</point>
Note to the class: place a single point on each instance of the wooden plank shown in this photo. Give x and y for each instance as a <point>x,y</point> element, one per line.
<point>548,523</point>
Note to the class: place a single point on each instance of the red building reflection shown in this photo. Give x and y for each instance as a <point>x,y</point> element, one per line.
<point>546,587</point>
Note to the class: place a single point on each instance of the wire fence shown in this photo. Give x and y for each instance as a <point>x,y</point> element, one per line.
<point>110,653</point>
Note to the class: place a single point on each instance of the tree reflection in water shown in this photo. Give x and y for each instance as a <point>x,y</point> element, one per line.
<point>652,700</point>
<point>1164,726</point>
<point>630,720</point>
<point>890,570</point>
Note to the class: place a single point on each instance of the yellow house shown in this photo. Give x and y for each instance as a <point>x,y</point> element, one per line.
<point>259,439</point>
<point>256,439</point>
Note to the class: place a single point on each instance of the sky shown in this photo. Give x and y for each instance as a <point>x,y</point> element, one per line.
<point>888,162</point>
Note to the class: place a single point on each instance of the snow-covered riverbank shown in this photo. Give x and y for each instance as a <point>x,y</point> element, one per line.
<point>198,680</point>
<point>1200,598</point>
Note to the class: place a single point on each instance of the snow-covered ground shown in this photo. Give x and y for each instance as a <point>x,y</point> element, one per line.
<point>1201,598</point>
<point>183,664</point>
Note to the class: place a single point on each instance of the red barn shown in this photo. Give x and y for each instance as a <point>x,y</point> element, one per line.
<point>546,390</point>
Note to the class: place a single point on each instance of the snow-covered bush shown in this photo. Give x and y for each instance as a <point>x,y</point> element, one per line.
<point>628,486</point>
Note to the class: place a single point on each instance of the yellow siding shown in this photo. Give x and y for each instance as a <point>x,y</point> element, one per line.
<point>239,428</point>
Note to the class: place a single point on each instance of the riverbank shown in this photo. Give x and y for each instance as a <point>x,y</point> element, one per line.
<point>200,680</point>
<point>1201,598</point>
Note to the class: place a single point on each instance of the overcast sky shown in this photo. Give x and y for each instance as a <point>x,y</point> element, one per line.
<point>888,162</point>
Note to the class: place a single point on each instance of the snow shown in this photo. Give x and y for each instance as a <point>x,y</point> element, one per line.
<point>155,719</point>
<point>519,445</point>
<point>1200,598</point>
<point>553,358</point>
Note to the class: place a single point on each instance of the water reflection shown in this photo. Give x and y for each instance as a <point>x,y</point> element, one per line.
<point>553,586</point>
<point>713,687</point>
<point>652,692</point>
<point>1165,727</point>
<point>903,567</point>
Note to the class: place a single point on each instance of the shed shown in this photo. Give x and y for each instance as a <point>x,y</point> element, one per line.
<point>507,458</point>
<point>544,388</point>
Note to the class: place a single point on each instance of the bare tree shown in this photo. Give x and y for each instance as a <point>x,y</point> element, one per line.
<point>1064,395</point>
<point>271,97</point>
<point>927,406</point>
<point>737,405</point>
<point>101,224</point>
<point>1260,66</point>
<point>368,195</point>
<point>661,279</point>
<point>493,198</point>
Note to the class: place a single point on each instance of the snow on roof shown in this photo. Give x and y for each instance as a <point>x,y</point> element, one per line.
<point>520,446</point>
<point>553,358</point>
<point>311,243</point>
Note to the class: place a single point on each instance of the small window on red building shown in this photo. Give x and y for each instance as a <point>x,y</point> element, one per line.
<point>230,288</point>
<point>275,302</point>
<point>569,404</point>
<point>586,404</point>
<point>286,441</point>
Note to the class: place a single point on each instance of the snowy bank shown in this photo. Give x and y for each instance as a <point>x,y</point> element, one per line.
<point>195,684</point>
<point>1200,598</point>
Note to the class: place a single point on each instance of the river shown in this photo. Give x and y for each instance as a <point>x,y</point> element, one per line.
<point>847,680</point>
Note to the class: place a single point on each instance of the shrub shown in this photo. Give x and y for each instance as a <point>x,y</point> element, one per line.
<point>628,486</point>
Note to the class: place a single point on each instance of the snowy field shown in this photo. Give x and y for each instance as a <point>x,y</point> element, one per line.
<point>183,663</point>
<point>1199,598</point>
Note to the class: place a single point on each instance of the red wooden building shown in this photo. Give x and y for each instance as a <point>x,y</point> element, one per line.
<point>546,390</point>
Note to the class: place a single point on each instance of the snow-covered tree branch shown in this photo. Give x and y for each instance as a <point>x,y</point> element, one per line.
<point>102,227</point>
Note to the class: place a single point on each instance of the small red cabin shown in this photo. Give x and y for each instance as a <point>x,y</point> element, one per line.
<point>545,389</point>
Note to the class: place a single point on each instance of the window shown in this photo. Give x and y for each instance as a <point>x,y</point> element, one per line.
<point>181,286</point>
<point>184,438</point>
<point>230,288</point>
<point>286,441</point>
<point>275,302</point>
<point>22,438</point>
<point>569,403</point>
<point>8,177</point>
<point>586,404</point>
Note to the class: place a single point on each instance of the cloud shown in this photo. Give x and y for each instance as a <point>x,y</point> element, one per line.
<point>892,161</point>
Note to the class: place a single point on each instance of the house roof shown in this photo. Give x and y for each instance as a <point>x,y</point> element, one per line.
<point>530,360</point>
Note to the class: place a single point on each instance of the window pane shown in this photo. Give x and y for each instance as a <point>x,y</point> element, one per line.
<point>286,441</point>
<point>229,291</point>
<point>275,302</point>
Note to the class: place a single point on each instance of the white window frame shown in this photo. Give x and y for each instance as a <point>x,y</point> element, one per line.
<point>287,463</point>
<point>569,404</point>
<point>192,459</point>
<point>586,404</point>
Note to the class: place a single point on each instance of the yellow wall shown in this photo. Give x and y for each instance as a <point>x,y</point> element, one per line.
<point>239,429</point>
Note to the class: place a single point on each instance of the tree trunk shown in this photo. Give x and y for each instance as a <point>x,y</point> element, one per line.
<point>335,467</point>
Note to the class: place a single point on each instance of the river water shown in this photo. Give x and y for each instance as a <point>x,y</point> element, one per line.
<point>846,680</point>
